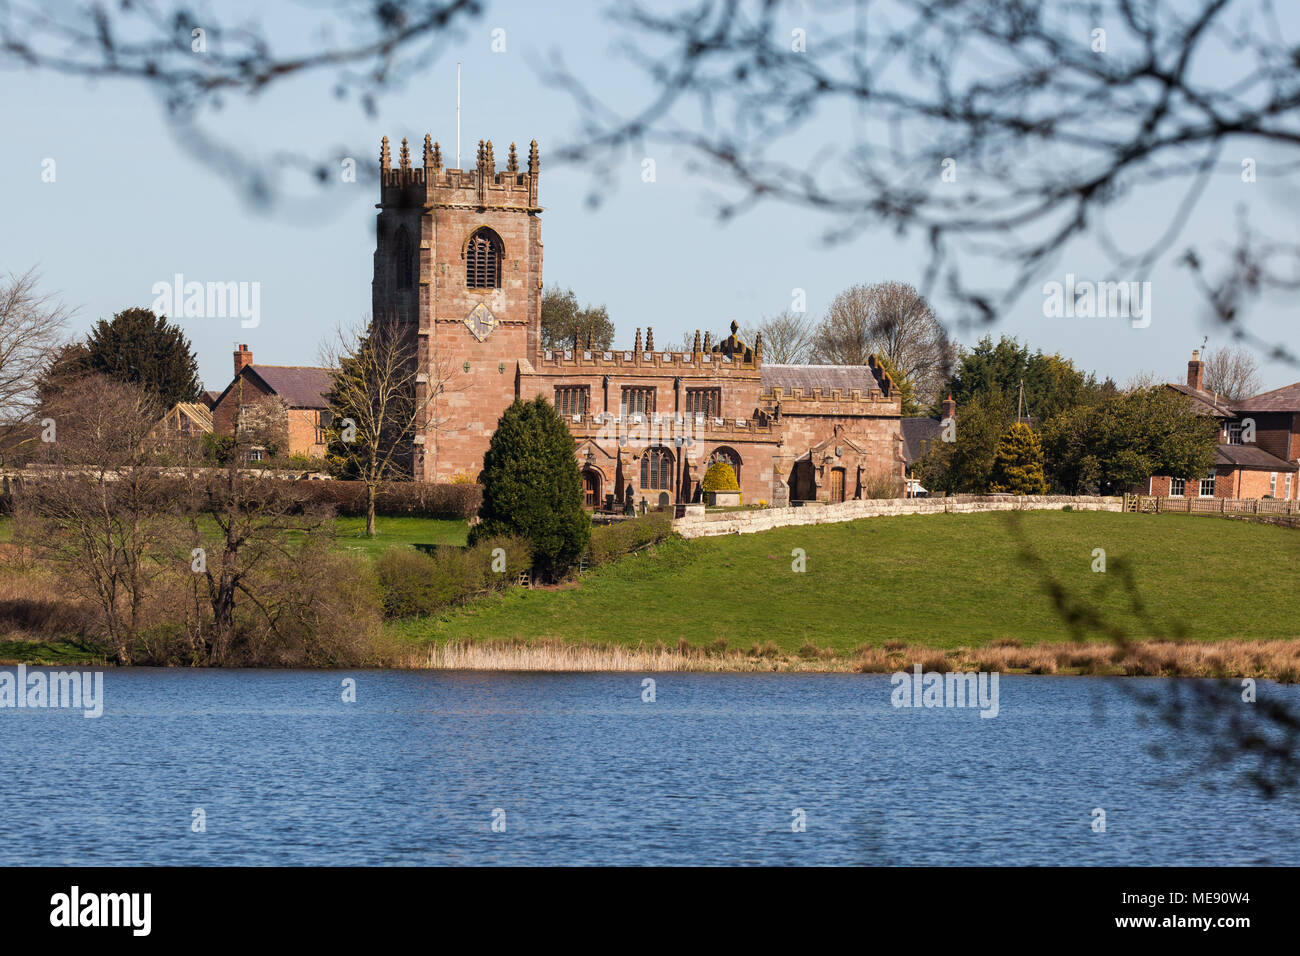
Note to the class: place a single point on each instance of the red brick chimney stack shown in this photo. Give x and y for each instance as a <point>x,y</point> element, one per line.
<point>949,408</point>
<point>1196,371</point>
<point>242,357</point>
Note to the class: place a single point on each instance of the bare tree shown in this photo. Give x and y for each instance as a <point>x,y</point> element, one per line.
<point>892,321</point>
<point>96,507</point>
<point>1232,372</point>
<point>260,523</point>
<point>358,53</point>
<point>997,132</point>
<point>1142,380</point>
<point>787,337</point>
<point>376,405</point>
<point>31,329</point>
<point>974,125</point>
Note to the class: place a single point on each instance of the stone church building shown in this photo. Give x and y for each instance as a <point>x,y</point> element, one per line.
<point>458,266</point>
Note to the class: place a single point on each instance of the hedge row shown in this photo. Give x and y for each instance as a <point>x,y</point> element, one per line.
<point>612,541</point>
<point>395,499</point>
<point>419,582</point>
<point>398,499</point>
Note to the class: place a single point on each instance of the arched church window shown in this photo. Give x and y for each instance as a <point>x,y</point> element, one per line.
<point>404,259</point>
<point>657,469</point>
<point>483,256</point>
<point>727,456</point>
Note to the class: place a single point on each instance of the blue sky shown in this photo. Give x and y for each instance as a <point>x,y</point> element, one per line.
<point>131,206</point>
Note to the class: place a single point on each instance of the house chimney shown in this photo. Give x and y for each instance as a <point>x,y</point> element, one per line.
<point>949,408</point>
<point>242,357</point>
<point>1196,371</point>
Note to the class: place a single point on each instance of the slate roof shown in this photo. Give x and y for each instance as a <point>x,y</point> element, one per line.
<point>1285,399</point>
<point>1205,403</point>
<point>1252,457</point>
<point>826,377</point>
<point>917,433</point>
<point>301,386</point>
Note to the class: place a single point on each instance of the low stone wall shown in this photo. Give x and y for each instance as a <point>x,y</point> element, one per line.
<point>746,522</point>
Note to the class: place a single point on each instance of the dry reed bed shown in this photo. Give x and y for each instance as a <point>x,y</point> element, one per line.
<point>1276,660</point>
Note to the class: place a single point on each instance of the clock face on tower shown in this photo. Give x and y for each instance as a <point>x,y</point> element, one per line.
<point>481,321</point>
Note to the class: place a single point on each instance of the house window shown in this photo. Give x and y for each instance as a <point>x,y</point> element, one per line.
<point>637,401</point>
<point>1272,484</point>
<point>323,420</point>
<point>255,454</point>
<point>483,260</point>
<point>1234,433</point>
<point>657,470</point>
<point>1288,488</point>
<point>572,399</point>
<point>1176,487</point>
<point>704,401</point>
<point>1207,485</point>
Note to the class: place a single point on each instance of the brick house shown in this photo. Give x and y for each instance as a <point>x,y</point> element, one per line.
<point>302,388</point>
<point>1266,467</point>
<point>458,266</point>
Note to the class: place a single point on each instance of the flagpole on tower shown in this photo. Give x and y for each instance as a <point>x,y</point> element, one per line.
<point>458,166</point>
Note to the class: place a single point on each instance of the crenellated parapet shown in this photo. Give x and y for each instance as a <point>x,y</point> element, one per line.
<point>595,359</point>
<point>779,402</point>
<point>668,429</point>
<point>482,187</point>
<point>731,355</point>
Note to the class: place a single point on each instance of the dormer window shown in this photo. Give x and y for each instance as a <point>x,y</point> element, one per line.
<point>483,254</point>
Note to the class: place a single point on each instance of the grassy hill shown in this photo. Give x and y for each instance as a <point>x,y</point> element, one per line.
<point>941,581</point>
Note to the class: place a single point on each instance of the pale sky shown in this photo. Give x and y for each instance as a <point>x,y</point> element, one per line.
<point>131,206</point>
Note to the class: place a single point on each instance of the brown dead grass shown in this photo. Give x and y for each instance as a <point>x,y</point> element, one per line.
<point>1274,660</point>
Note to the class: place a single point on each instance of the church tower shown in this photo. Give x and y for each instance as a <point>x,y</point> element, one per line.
<point>458,265</point>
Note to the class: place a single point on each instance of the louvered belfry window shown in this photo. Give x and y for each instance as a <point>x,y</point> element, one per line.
<point>405,260</point>
<point>483,260</point>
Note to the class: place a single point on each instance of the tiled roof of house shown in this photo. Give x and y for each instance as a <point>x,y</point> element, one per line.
<point>1251,457</point>
<point>301,386</point>
<point>1205,403</point>
<point>1285,399</point>
<point>808,377</point>
<point>917,433</point>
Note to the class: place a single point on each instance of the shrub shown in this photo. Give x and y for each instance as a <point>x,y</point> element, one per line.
<point>532,487</point>
<point>611,541</point>
<point>720,477</point>
<point>326,609</point>
<point>879,485</point>
<point>397,499</point>
<point>430,581</point>
<point>1018,463</point>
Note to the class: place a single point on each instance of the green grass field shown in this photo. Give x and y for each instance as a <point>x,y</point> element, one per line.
<point>350,533</point>
<point>938,580</point>
<point>392,532</point>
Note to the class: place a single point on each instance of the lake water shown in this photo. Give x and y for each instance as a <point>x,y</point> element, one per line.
<point>586,772</point>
